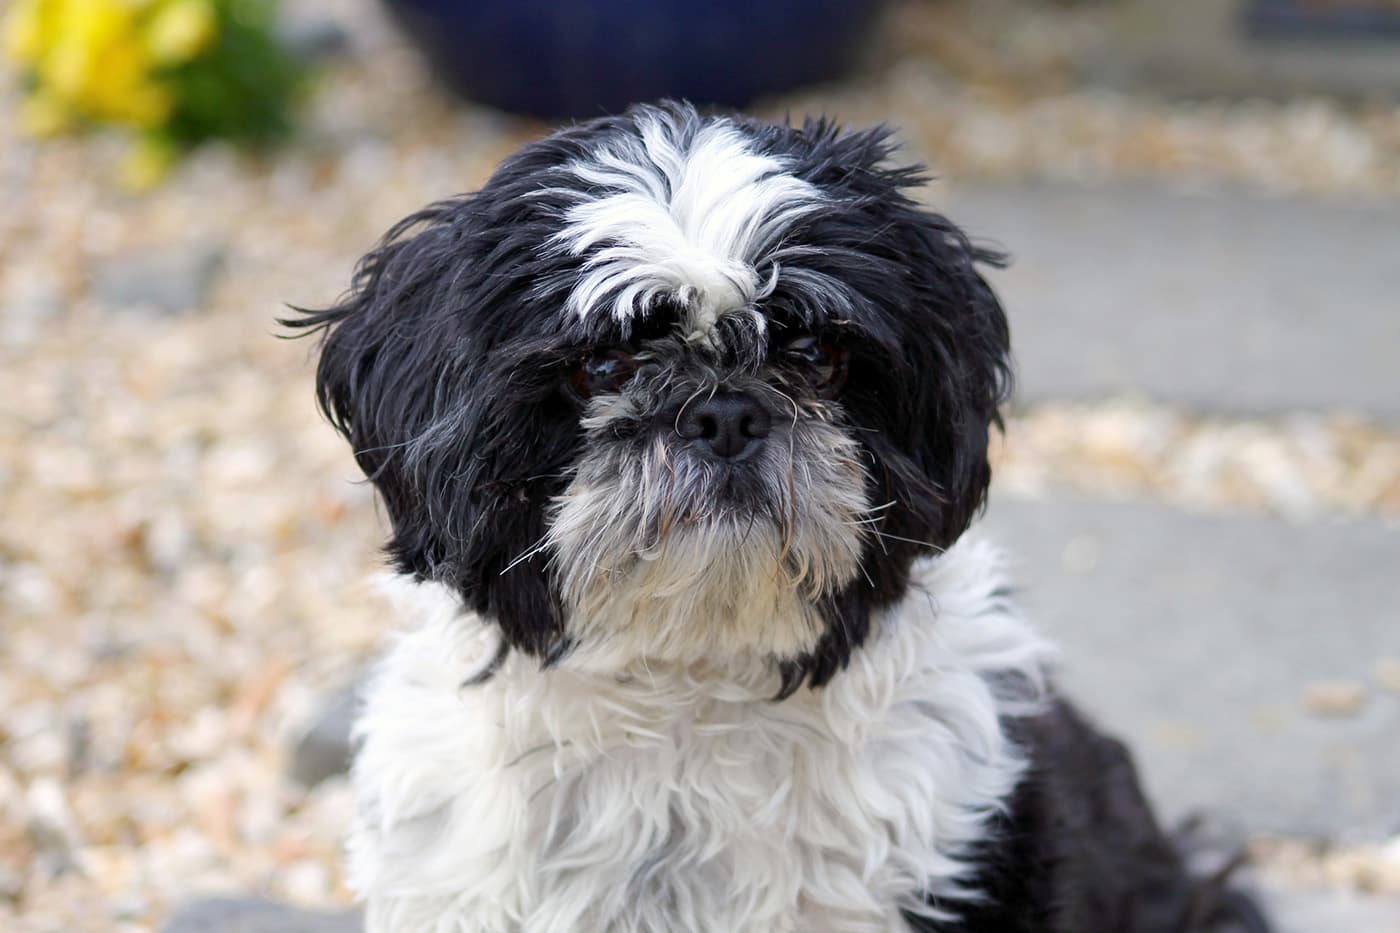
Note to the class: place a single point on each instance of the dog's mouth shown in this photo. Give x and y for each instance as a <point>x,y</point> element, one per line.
<point>719,495</point>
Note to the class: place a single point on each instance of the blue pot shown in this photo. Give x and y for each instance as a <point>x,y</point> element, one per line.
<point>582,58</point>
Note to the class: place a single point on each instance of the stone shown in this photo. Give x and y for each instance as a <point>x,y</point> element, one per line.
<point>175,279</point>
<point>323,750</point>
<point>256,915</point>
<point>315,39</point>
<point>51,826</point>
<point>1334,698</point>
<point>1387,672</point>
<point>1193,638</point>
<point>30,297</point>
<point>1311,910</point>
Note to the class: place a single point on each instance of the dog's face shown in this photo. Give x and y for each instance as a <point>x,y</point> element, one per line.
<point>673,386</point>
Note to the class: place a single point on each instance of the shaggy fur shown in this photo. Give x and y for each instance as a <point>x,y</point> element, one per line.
<point>678,796</point>
<point>675,417</point>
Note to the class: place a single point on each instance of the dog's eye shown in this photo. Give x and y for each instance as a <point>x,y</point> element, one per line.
<point>604,371</point>
<point>825,361</point>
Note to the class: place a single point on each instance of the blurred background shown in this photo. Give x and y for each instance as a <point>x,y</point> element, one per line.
<point>1200,477</point>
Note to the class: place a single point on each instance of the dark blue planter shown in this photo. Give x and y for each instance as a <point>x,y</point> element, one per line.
<point>582,58</point>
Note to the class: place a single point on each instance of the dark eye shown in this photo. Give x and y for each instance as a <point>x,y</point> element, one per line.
<point>824,361</point>
<point>604,371</point>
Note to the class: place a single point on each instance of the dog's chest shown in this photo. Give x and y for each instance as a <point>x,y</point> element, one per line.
<point>731,814</point>
<point>675,800</point>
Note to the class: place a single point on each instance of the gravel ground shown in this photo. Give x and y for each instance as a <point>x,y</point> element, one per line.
<point>183,544</point>
<point>1303,467</point>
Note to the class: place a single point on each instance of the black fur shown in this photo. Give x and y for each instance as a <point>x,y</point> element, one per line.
<point>926,329</point>
<point>1078,850</point>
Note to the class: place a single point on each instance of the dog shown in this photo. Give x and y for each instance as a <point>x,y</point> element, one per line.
<point>679,423</point>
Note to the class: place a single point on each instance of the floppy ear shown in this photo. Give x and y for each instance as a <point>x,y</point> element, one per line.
<point>939,362</point>
<point>417,373</point>
<point>378,369</point>
<point>924,406</point>
<point>929,368</point>
<point>960,365</point>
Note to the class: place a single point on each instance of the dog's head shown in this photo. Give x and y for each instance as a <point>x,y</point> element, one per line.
<point>674,386</point>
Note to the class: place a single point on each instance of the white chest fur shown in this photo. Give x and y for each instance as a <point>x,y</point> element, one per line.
<point>681,798</point>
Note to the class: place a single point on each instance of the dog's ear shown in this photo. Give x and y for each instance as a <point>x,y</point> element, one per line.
<point>418,371</point>
<point>930,368</point>
<point>923,395</point>
<point>382,368</point>
<point>959,357</point>
<point>939,366</point>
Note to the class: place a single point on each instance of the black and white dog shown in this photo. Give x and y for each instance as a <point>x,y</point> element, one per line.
<point>679,423</point>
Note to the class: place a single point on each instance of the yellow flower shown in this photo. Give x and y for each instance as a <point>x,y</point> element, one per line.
<point>97,67</point>
<point>123,88</point>
<point>22,31</point>
<point>97,25</point>
<point>180,30</point>
<point>67,68</point>
<point>116,62</point>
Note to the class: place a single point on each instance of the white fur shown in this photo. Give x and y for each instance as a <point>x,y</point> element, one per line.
<point>648,567</point>
<point>680,797</point>
<point>691,217</point>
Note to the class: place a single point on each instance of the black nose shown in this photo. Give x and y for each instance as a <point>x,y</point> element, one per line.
<point>731,423</point>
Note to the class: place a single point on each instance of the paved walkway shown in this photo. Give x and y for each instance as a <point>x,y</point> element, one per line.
<point>1230,304</point>
<point>1253,664</point>
<point>1246,660</point>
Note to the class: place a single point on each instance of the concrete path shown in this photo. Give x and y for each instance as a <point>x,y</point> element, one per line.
<point>1293,911</point>
<point>1221,303</point>
<point>1312,911</point>
<point>256,915</point>
<point>1244,658</point>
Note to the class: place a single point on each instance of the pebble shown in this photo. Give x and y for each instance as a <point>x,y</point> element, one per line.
<point>1336,699</point>
<point>30,300</point>
<point>255,915</point>
<point>52,829</point>
<point>323,750</point>
<point>1388,674</point>
<point>1081,554</point>
<point>1298,467</point>
<point>11,884</point>
<point>304,881</point>
<point>174,278</point>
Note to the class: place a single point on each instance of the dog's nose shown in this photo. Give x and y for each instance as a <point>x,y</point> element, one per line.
<point>731,423</point>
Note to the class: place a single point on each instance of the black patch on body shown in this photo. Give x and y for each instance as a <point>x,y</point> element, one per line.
<point>1078,850</point>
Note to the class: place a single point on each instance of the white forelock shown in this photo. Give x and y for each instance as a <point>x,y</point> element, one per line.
<point>690,217</point>
<point>680,797</point>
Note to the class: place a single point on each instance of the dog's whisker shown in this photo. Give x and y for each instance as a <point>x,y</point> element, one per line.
<point>893,537</point>
<point>536,548</point>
